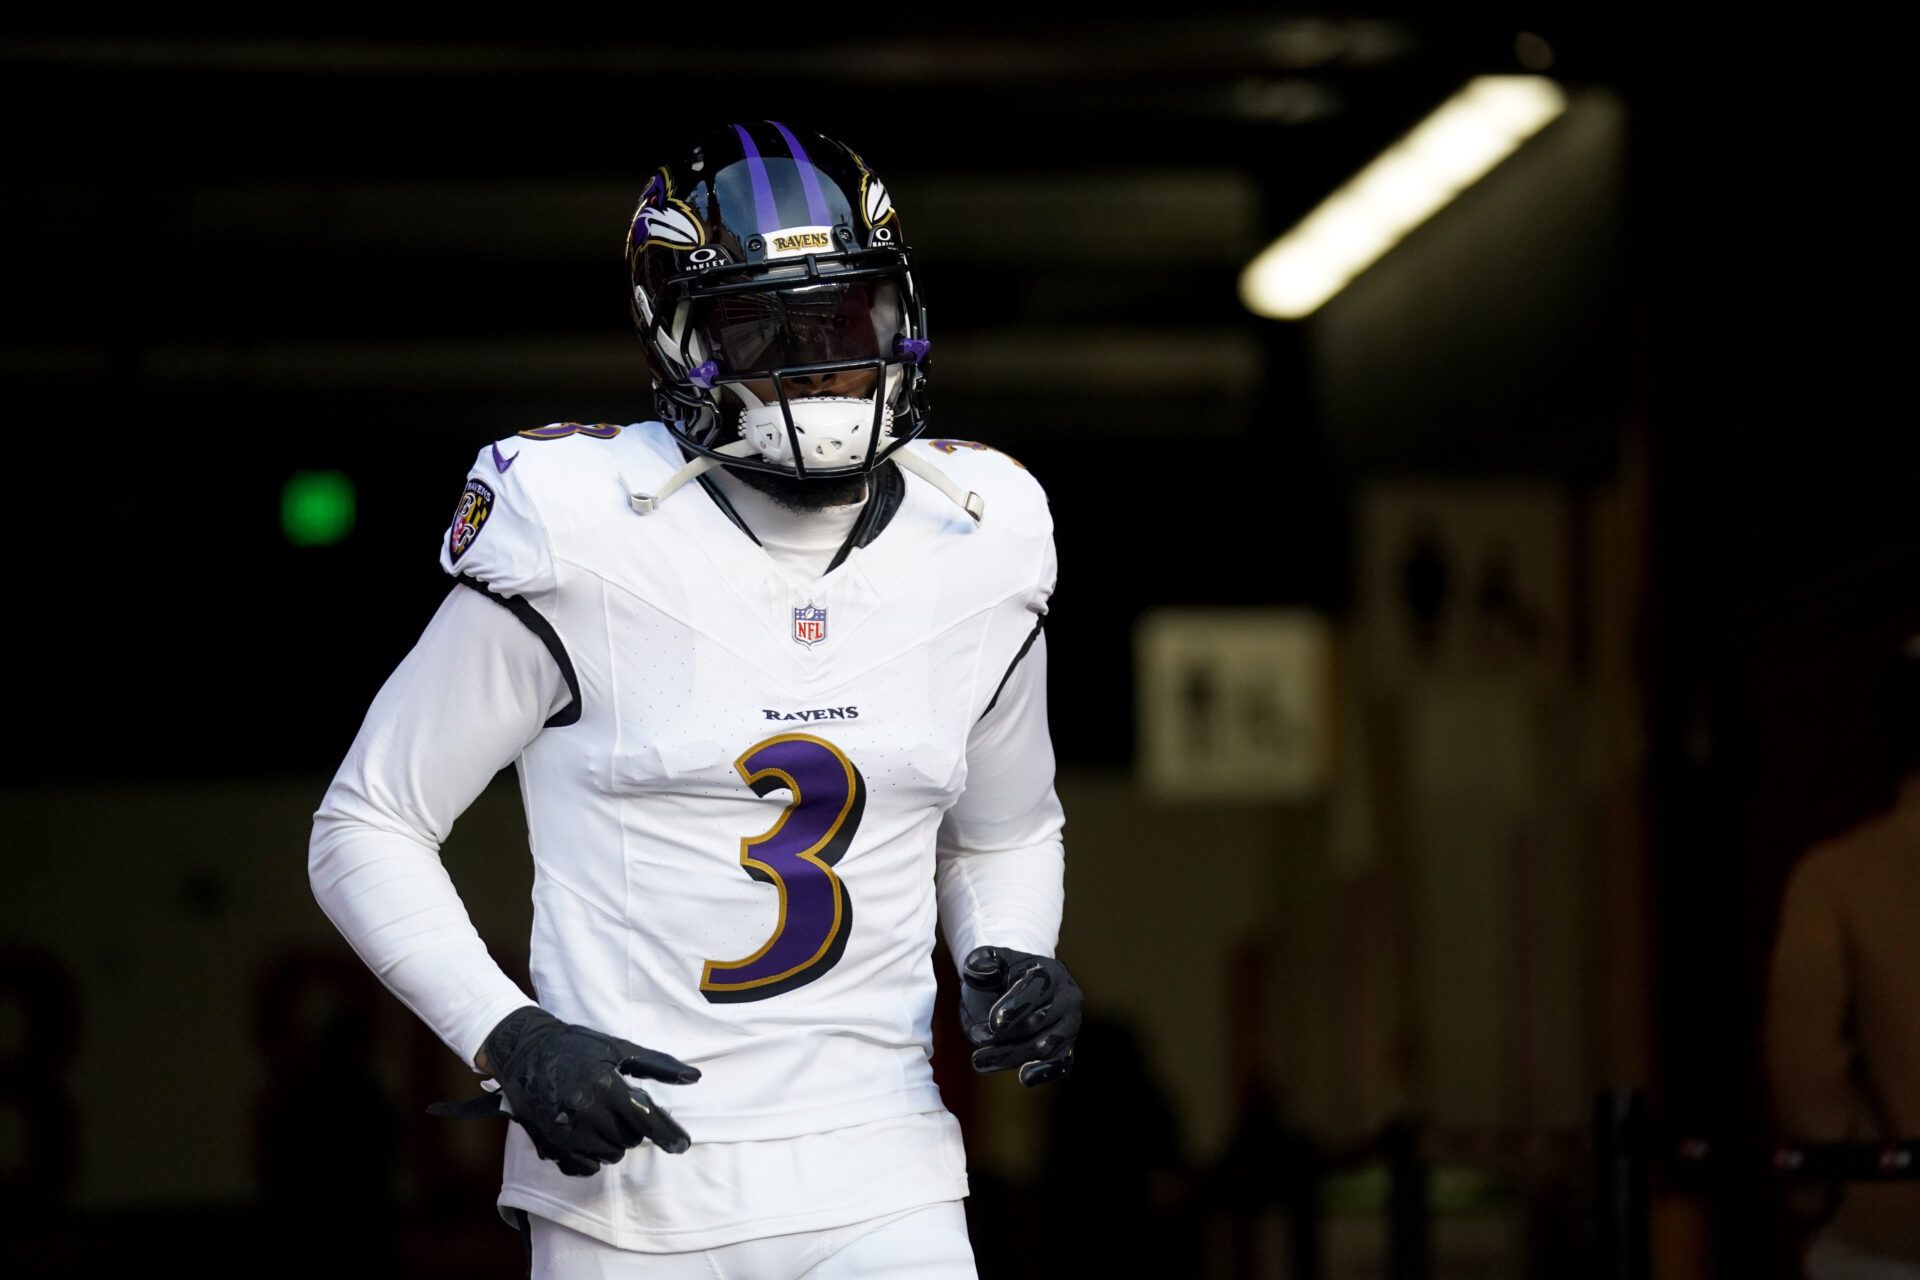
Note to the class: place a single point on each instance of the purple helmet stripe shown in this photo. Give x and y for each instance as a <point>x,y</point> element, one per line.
<point>765,211</point>
<point>817,214</point>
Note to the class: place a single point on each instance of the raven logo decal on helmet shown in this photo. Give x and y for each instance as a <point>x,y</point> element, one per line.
<point>662,220</point>
<point>875,204</point>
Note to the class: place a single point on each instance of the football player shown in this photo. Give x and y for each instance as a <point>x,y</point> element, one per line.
<point>772,672</point>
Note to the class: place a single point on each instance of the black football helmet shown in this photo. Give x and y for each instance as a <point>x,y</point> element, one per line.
<point>775,296</point>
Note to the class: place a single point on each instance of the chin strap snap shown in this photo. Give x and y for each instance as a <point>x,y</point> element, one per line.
<point>970,502</point>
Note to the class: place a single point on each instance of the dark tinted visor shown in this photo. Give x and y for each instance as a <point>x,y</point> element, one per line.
<point>756,333</point>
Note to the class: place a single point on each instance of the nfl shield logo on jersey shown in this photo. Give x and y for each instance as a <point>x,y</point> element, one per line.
<point>809,625</point>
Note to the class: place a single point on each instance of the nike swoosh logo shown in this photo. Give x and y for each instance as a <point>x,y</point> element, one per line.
<point>500,462</point>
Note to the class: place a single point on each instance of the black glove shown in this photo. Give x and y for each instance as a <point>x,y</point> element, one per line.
<point>1019,1010</point>
<point>563,1084</point>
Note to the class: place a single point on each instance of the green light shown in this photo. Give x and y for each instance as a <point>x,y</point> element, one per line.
<point>316,508</point>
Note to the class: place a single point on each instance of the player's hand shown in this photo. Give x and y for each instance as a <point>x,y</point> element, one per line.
<point>565,1086</point>
<point>1019,1010</point>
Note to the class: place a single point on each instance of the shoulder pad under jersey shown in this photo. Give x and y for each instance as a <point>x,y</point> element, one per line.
<point>1010,490</point>
<point>498,534</point>
<point>1016,505</point>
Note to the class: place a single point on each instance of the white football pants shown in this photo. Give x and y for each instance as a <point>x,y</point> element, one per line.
<point>928,1243</point>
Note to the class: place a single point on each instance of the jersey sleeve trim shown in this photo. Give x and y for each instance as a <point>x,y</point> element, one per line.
<point>998,689</point>
<point>534,622</point>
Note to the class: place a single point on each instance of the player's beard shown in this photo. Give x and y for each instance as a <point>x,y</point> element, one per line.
<point>795,494</point>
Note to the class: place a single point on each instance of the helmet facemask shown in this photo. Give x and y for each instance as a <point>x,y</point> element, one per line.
<point>798,368</point>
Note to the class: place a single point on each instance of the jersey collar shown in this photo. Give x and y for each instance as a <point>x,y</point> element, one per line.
<point>887,487</point>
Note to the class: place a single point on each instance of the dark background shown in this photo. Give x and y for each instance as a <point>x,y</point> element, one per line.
<point>240,251</point>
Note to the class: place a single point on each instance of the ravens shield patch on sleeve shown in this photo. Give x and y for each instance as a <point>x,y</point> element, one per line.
<point>476,504</point>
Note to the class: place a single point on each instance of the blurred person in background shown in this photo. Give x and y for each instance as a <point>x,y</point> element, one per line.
<point>1843,1012</point>
<point>772,673</point>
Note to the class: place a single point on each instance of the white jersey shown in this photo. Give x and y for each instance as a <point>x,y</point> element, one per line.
<point>734,820</point>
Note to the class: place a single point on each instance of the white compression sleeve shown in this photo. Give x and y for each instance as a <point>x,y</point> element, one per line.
<point>476,688</point>
<point>1000,864</point>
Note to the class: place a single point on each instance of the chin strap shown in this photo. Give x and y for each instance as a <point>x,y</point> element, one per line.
<point>970,502</point>
<point>646,502</point>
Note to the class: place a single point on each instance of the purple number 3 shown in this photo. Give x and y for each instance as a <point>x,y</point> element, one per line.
<point>796,856</point>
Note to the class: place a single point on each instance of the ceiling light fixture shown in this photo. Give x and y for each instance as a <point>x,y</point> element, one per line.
<point>1409,182</point>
